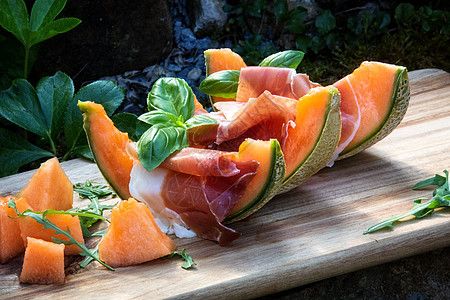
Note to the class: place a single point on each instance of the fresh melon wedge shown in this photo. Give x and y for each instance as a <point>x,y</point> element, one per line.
<point>48,188</point>
<point>133,236</point>
<point>43,263</point>
<point>311,143</point>
<point>265,184</point>
<point>108,145</point>
<point>29,227</point>
<point>11,243</point>
<point>219,60</point>
<point>375,95</point>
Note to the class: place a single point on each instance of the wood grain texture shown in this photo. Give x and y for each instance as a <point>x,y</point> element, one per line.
<point>308,234</point>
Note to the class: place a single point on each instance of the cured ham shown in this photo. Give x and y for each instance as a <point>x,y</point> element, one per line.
<point>191,197</point>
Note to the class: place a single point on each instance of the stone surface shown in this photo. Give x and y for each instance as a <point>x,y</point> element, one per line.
<point>114,37</point>
<point>207,16</point>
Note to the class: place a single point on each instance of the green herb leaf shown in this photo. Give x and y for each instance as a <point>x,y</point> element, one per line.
<point>157,143</point>
<point>221,84</point>
<point>40,217</point>
<point>173,96</point>
<point>284,59</point>
<point>15,152</point>
<point>199,120</point>
<point>441,198</point>
<point>158,116</point>
<point>188,260</point>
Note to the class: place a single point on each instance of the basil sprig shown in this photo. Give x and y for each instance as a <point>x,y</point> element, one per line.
<point>171,105</point>
<point>225,83</point>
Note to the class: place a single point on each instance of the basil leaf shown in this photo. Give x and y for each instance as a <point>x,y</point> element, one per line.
<point>20,105</point>
<point>199,120</point>
<point>158,116</point>
<point>157,143</point>
<point>15,152</point>
<point>284,59</point>
<point>221,84</point>
<point>54,95</point>
<point>172,95</point>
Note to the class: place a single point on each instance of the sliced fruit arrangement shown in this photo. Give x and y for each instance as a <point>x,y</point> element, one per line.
<point>374,99</point>
<point>194,190</point>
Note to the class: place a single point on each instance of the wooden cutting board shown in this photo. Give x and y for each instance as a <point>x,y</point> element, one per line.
<point>311,233</point>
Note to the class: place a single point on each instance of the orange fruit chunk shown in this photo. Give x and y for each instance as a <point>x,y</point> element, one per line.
<point>11,243</point>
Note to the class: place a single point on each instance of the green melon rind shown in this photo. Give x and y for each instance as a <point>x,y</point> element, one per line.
<point>270,188</point>
<point>400,100</point>
<point>323,150</point>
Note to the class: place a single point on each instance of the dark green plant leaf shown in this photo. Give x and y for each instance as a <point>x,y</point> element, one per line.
<point>44,11</point>
<point>126,122</point>
<point>283,59</point>
<point>157,143</point>
<point>303,43</point>
<point>325,22</point>
<point>50,30</point>
<point>295,22</point>
<point>54,95</point>
<point>14,18</point>
<point>404,13</point>
<point>20,105</point>
<point>221,84</point>
<point>172,95</point>
<point>280,10</point>
<point>83,151</point>
<point>15,152</point>
<point>104,92</point>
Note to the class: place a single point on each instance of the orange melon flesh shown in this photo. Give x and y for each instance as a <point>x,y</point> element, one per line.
<point>11,243</point>
<point>271,165</point>
<point>219,60</point>
<point>48,188</point>
<point>108,145</point>
<point>43,263</point>
<point>31,228</point>
<point>372,85</point>
<point>133,236</point>
<point>309,123</point>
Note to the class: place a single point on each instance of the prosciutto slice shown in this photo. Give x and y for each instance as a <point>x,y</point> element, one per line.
<point>193,191</point>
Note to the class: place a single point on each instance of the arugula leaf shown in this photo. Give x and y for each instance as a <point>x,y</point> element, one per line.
<point>284,59</point>
<point>441,198</point>
<point>221,84</point>
<point>40,217</point>
<point>94,251</point>
<point>188,260</point>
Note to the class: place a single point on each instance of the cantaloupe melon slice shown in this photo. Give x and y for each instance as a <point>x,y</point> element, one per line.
<point>11,243</point>
<point>108,145</point>
<point>311,143</point>
<point>43,263</point>
<point>29,227</point>
<point>133,236</point>
<point>219,60</point>
<point>377,94</point>
<point>48,188</point>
